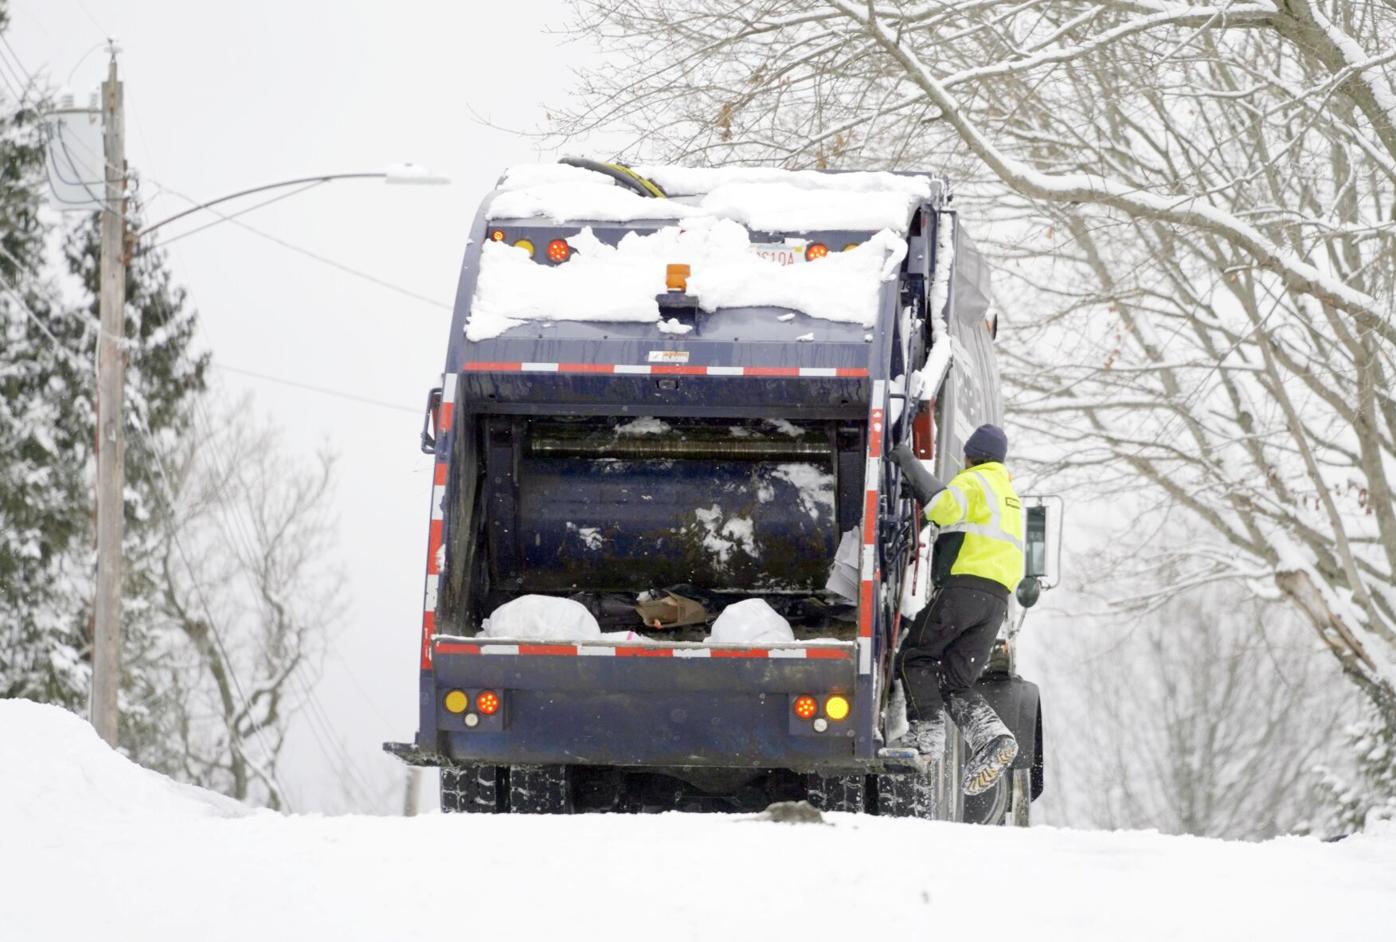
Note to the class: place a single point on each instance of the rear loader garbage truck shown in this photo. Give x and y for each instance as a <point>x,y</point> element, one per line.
<point>669,557</point>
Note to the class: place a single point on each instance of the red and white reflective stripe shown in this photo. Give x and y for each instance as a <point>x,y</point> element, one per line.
<point>841,652</point>
<point>667,369</point>
<point>868,575</point>
<point>434,535</point>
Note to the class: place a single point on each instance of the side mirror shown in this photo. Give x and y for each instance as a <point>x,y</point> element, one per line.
<point>1035,542</point>
<point>1042,548</point>
<point>431,422</point>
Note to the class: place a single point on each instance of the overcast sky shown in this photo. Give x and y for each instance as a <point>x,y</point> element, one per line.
<point>220,97</point>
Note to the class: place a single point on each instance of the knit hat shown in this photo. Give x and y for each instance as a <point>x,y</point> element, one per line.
<point>988,443</point>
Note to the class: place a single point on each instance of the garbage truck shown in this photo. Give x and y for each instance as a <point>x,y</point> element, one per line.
<point>669,560</point>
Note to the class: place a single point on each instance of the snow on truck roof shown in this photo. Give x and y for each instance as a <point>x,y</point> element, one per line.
<point>712,216</point>
<point>761,198</point>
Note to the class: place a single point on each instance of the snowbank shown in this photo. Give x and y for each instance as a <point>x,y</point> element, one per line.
<point>171,870</point>
<point>619,283</point>
<point>542,618</point>
<point>752,621</point>
<point>50,758</point>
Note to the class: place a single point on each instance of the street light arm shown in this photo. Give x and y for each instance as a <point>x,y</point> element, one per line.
<point>380,175</point>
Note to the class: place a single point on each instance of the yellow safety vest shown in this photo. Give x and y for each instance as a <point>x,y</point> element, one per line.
<point>980,503</point>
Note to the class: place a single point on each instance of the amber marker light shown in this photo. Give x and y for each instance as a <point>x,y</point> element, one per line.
<point>525,244</point>
<point>806,707</point>
<point>850,246</point>
<point>496,235</point>
<point>487,702</point>
<point>676,276</point>
<point>456,701</point>
<point>559,250</point>
<point>816,250</point>
<point>836,707</point>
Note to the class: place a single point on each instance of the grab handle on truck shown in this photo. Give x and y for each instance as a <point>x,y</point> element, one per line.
<point>430,420</point>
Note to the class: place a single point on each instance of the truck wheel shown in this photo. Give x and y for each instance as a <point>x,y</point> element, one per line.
<point>540,789</point>
<point>837,792</point>
<point>471,789</point>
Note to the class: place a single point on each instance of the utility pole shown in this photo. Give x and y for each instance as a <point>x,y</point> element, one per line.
<point>111,435</point>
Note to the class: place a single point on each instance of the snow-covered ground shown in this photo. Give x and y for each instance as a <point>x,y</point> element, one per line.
<point>94,847</point>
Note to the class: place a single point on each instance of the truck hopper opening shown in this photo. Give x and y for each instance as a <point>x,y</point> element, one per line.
<point>619,505</point>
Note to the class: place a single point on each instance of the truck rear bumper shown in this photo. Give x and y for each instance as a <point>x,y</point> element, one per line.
<point>645,706</point>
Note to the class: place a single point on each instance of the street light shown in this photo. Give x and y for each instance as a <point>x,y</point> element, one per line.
<point>401,174</point>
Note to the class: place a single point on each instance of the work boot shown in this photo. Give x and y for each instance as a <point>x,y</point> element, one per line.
<point>928,735</point>
<point>922,740</point>
<point>990,745</point>
<point>925,737</point>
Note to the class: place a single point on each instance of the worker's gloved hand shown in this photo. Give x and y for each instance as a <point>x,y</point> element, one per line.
<point>923,484</point>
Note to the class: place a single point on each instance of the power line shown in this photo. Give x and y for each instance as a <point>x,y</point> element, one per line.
<point>322,390</point>
<point>5,76</point>
<point>83,58</point>
<point>325,260</point>
<point>266,377</point>
<point>93,20</point>
<point>29,79</point>
<point>231,216</point>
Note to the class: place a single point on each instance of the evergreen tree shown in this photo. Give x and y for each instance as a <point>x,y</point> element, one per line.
<point>47,435</point>
<point>44,504</point>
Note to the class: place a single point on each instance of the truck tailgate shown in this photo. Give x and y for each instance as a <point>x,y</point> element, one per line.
<point>647,704</point>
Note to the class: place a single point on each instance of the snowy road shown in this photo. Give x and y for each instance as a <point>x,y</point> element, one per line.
<point>92,847</point>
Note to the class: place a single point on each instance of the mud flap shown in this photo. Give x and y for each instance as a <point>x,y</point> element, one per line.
<point>1018,704</point>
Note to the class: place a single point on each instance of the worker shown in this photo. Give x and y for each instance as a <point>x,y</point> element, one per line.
<point>948,644</point>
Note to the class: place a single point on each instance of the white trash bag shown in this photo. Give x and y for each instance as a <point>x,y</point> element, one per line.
<point>542,618</point>
<point>751,622</point>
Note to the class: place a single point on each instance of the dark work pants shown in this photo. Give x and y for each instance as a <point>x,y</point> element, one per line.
<point>948,646</point>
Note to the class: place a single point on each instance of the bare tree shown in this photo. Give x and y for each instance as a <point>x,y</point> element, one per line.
<point>249,586</point>
<point>1198,201</point>
<point>1208,716</point>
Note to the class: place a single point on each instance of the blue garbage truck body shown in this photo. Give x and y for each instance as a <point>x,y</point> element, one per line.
<point>721,455</point>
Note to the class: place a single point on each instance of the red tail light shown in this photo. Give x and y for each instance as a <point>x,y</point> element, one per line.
<point>806,707</point>
<point>559,250</point>
<point>816,250</point>
<point>487,702</point>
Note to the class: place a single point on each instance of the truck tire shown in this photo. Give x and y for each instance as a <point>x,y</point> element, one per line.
<point>540,789</point>
<point>471,789</point>
<point>837,792</point>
